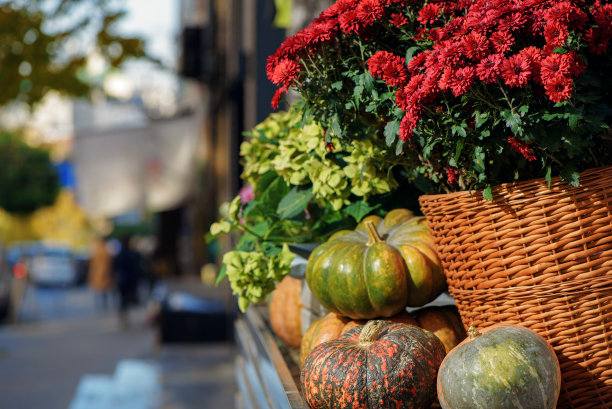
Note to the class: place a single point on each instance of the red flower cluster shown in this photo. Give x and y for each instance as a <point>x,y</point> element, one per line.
<point>481,46</point>
<point>388,67</point>
<point>452,175</point>
<point>483,43</point>
<point>522,148</point>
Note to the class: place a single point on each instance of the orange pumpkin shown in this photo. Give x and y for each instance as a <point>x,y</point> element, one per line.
<point>332,326</point>
<point>444,322</point>
<point>286,311</point>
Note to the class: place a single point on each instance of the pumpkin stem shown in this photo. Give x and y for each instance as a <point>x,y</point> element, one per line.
<point>373,235</point>
<point>370,333</point>
<point>473,332</point>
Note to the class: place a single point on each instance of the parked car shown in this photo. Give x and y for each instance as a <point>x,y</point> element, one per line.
<point>45,265</point>
<point>53,267</point>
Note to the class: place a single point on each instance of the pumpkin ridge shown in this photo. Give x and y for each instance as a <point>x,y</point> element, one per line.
<point>351,302</point>
<point>317,273</point>
<point>383,300</point>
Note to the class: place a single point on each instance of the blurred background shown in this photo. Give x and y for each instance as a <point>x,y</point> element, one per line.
<point>120,125</point>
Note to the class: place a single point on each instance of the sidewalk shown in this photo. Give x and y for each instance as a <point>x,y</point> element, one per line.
<point>49,364</point>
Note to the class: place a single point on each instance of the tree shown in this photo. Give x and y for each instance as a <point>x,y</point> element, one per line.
<point>44,45</point>
<point>27,177</point>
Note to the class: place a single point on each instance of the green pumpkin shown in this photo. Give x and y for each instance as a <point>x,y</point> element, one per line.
<point>506,367</point>
<point>378,269</point>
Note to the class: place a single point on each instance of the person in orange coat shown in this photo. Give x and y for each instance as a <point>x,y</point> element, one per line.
<point>99,277</point>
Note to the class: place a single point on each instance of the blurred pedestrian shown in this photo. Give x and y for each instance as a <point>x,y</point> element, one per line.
<point>126,267</point>
<point>99,277</point>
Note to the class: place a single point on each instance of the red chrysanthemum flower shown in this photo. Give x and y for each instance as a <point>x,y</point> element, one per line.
<point>598,40</point>
<point>376,63</point>
<point>502,41</point>
<point>577,65</point>
<point>276,98</point>
<point>407,126</point>
<point>445,80</point>
<point>559,88</point>
<point>462,80</point>
<point>554,65</point>
<point>389,67</point>
<point>533,56</point>
<point>555,34</point>
<point>368,11</point>
<point>516,70</point>
<point>285,72</point>
<point>603,16</point>
<point>417,62</point>
<point>452,175</point>
<point>566,14</point>
<point>451,53</point>
<point>522,148</point>
<point>429,13</point>
<point>349,22</point>
<point>489,69</point>
<point>341,6</point>
<point>319,32</point>
<point>398,20</point>
<point>404,95</point>
<point>475,46</point>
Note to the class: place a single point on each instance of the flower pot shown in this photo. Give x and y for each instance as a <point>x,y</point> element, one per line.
<point>541,258</point>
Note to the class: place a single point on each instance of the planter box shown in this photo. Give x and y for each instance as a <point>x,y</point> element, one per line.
<point>266,373</point>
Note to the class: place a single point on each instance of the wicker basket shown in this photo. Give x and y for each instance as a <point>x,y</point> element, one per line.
<point>540,258</point>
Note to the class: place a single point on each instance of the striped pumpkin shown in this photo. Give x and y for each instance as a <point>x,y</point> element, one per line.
<point>378,269</point>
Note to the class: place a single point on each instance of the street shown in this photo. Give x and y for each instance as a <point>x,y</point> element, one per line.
<point>65,340</point>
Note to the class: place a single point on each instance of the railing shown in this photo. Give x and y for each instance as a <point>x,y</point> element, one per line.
<point>265,373</point>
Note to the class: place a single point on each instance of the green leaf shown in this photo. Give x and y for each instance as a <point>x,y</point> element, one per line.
<point>337,85</point>
<point>367,81</point>
<point>410,53</point>
<point>357,92</point>
<point>399,147</point>
<point>548,175</point>
<point>220,227</point>
<point>391,131</point>
<point>294,203</point>
<point>479,157</point>
<point>458,149</point>
<point>570,176</point>
<point>222,275</point>
<point>573,121</point>
<point>272,195</point>
<point>261,228</point>
<point>458,130</point>
<point>480,119</point>
<point>335,126</point>
<point>513,121</point>
<point>488,195</point>
<point>358,210</point>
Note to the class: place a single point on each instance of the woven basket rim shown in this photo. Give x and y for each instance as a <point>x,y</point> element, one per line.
<point>510,186</point>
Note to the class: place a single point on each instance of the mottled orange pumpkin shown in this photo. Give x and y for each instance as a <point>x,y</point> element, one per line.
<point>379,365</point>
<point>378,269</point>
<point>332,326</point>
<point>286,311</point>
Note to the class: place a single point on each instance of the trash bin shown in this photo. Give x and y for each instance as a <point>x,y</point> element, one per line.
<point>184,317</point>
